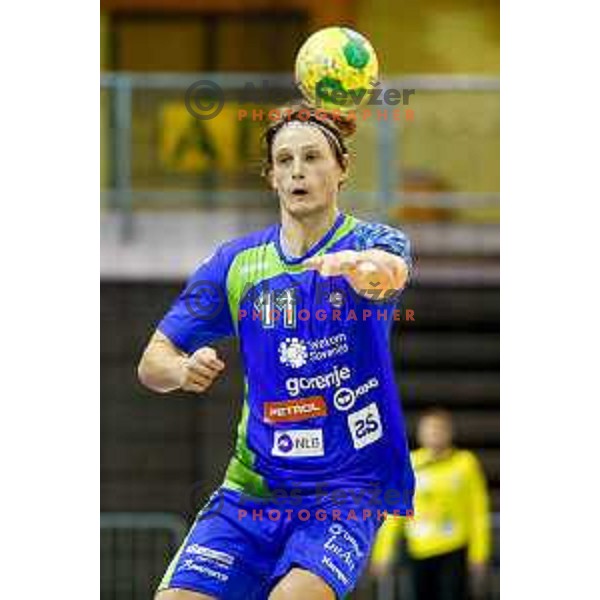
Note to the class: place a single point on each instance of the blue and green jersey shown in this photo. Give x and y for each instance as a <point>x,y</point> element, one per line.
<point>320,410</point>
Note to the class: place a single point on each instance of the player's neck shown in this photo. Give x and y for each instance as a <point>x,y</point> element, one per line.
<point>299,235</point>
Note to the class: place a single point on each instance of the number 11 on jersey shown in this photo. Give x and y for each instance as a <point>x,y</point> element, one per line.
<point>273,305</point>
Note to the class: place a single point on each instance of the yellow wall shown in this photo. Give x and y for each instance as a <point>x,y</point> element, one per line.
<point>455,138</point>
<point>433,36</point>
<point>105,55</point>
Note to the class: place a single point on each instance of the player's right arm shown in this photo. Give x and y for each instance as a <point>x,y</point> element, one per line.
<point>179,355</point>
<point>164,367</point>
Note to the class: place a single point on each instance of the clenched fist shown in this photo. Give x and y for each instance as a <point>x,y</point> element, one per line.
<point>200,370</point>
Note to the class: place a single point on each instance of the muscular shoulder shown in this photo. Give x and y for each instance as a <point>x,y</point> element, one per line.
<point>232,248</point>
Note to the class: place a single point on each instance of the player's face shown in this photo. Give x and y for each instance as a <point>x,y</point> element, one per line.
<point>435,433</point>
<point>305,173</point>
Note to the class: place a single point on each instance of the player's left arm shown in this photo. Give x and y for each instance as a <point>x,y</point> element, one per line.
<point>379,265</point>
<point>368,271</point>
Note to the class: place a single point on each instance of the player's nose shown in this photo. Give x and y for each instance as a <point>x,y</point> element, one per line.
<point>297,169</point>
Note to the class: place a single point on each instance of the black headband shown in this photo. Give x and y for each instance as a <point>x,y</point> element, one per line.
<point>315,122</point>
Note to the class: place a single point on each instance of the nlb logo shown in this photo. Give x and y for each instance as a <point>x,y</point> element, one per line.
<point>295,410</point>
<point>298,442</point>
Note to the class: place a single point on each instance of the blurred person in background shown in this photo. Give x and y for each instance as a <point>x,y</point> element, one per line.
<point>448,540</point>
<point>298,433</point>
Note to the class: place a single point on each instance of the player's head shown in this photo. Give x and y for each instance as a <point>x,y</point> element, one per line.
<point>307,158</point>
<point>435,430</point>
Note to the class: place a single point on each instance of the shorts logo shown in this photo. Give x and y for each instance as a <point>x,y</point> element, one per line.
<point>209,555</point>
<point>190,565</point>
<point>339,530</point>
<point>365,426</point>
<point>345,398</point>
<point>343,548</point>
<point>335,570</point>
<point>298,442</point>
<point>295,410</point>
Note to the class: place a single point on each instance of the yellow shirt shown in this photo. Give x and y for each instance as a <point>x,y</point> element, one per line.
<point>451,510</point>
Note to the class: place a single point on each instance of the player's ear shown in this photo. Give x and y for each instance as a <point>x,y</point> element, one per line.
<point>345,167</point>
<point>271,180</point>
<point>268,175</point>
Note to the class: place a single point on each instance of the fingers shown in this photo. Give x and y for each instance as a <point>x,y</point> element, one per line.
<point>191,386</point>
<point>217,364</point>
<point>349,266</point>
<point>208,357</point>
<point>338,263</point>
<point>316,262</point>
<point>366,268</point>
<point>195,382</point>
<point>201,369</point>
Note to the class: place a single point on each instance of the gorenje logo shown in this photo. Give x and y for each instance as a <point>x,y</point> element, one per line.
<point>297,385</point>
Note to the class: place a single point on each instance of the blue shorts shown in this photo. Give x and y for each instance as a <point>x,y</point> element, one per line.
<point>240,546</point>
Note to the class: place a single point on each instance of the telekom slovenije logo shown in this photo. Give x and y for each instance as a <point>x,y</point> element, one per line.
<point>293,353</point>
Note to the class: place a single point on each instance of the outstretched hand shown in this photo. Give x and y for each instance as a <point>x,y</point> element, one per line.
<point>345,262</point>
